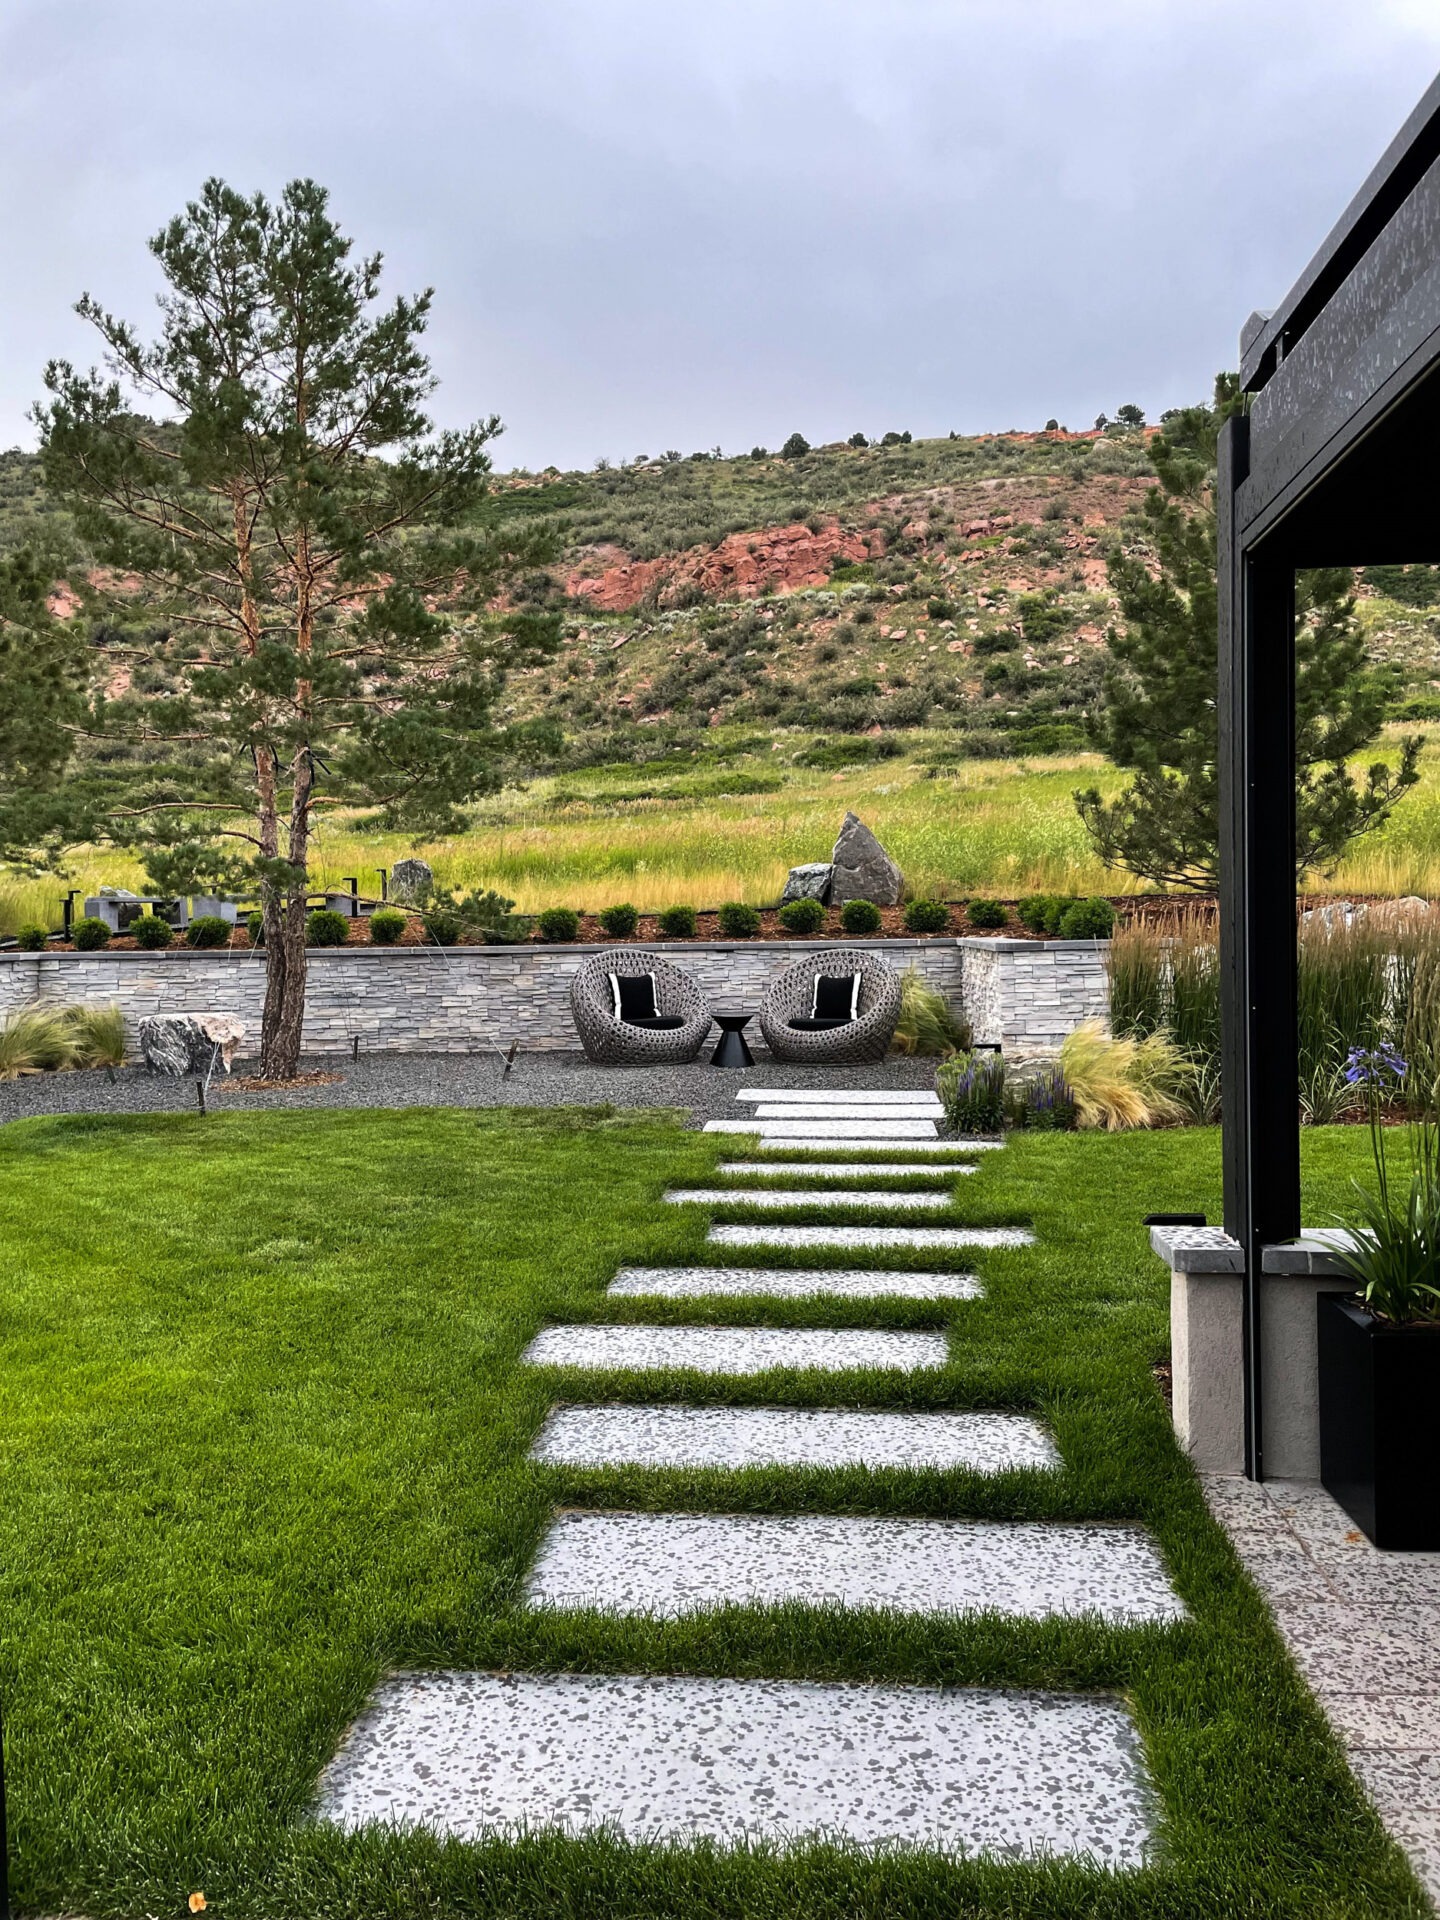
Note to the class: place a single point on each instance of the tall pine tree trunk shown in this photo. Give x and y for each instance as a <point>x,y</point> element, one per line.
<point>287,961</point>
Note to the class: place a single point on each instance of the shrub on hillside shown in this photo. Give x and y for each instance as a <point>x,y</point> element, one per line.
<point>559,924</point>
<point>987,914</point>
<point>387,926</point>
<point>151,932</point>
<point>794,448</point>
<point>620,921</point>
<point>738,921</point>
<point>324,928</point>
<point>927,916</point>
<point>32,939</point>
<point>211,931</point>
<point>802,916</point>
<point>860,916</point>
<point>677,923</point>
<point>1087,920</point>
<point>89,934</point>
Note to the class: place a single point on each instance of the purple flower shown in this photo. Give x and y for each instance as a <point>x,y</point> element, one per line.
<point>1374,1066</point>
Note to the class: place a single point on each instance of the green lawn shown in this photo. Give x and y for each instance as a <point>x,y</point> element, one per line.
<point>264,1437</point>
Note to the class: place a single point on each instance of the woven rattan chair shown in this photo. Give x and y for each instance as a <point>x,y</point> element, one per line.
<point>866,1037</point>
<point>617,1043</point>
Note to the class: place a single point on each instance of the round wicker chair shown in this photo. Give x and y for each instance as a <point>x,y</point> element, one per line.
<point>866,1037</point>
<point>616,1043</point>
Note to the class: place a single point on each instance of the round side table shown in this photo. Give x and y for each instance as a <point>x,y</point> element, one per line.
<point>732,1050</point>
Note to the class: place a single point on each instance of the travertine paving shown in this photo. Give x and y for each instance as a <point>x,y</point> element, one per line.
<point>740,1437</point>
<point>910,1202</point>
<point>736,1349</point>
<point>669,1564</point>
<point>836,1170</point>
<point>659,1757</point>
<point>879,1236</point>
<point>793,1283</point>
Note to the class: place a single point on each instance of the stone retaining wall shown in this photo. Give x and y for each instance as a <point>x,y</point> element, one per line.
<point>1025,994</point>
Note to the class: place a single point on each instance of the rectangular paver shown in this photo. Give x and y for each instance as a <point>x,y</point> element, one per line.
<point>909,1201</point>
<point>739,1437</point>
<point>764,1235</point>
<point>811,1127</point>
<point>857,1097</point>
<point>792,1283</point>
<point>668,1757</point>
<point>834,1169</point>
<point>772,1141</point>
<point>736,1349</point>
<point>669,1564</point>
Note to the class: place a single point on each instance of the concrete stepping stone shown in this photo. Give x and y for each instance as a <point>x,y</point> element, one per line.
<point>665,1565</point>
<point>791,1283</point>
<point>879,1236</point>
<point>783,1141</point>
<point>842,1110</point>
<point>657,1757</point>
<point>822,1129</point>
<point>736,1349</point>
<point>800,1197</point>
<point>734,1438</point>
<point>820,1096</point>
<point>832,1169</point>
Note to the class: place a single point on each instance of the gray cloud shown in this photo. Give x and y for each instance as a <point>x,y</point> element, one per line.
<point>656,224</point>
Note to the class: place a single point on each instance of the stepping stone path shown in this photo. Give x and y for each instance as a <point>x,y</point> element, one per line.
<point>736,1349</point>
<point>669,1564</point>
<point>965,1771</point>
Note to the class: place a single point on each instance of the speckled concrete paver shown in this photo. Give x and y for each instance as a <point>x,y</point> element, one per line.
<point>923,1150</point>
<point>915,1237</point>
<point>669,1564</point>
<point>835,1170</point>
<point>659,1757</point>
<point>738,1437</point>
<point>810,1127</point>
<point>908,1202</point>
<point>766,1114</point>
<point>856,1097</point>
<point>736,1349</point>
<point>1363,1628</point>
<point>792,1283</point>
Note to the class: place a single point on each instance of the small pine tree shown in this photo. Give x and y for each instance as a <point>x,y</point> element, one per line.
<point>1159,717</point>
<point>794,447</point>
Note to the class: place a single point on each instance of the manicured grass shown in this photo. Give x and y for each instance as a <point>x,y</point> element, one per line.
<point>264,1438</point>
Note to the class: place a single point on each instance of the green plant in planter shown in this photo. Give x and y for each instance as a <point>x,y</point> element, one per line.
<point>678,923</point>
<point>151,932</point>
<point>559,924</point>
<point>1395,1258</point>
<point>387,925</point>
<point>619,921</point>
<point>987,913</point>
<point>211,931</point>
<point>737,921</point>
<point>801,916</point>
<point>927,916</point>
<point>32,939</point>
<point>860,916</point>
<point>971,1087</point>
<point>90,934</point>
<point>325,928</point>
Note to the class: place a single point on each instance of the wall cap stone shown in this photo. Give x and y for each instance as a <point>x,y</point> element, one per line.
<point>180,956</point>
<point>980,942</point>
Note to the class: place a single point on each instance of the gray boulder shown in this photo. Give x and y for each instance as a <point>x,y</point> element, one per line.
<point>186,1043</point>
<point>862,868</point>
<point>808,883</point>
<point>410,881</point>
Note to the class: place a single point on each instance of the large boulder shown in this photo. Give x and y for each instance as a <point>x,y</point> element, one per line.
<point>810,882</point>
<point>410,882</point>
<point>862,870</point>
<point>186,1043</point>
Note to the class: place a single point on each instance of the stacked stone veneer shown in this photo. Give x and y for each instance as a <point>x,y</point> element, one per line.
<point>1024,994</point>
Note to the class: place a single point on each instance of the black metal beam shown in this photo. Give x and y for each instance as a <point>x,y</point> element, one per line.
<point>1256,771</point>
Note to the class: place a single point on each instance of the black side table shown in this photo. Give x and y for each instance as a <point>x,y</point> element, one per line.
<point>732,1050</point>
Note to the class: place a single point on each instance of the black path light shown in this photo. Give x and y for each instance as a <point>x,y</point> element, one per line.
<point>1332,466</point>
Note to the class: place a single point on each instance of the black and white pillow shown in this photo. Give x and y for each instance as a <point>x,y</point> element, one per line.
<point>837,996</point>
<point>633,996</point>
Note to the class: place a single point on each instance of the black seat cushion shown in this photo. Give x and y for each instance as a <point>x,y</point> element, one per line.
<point>657,1022</point>
<point>837,997</point>
<point>804,1024</point>
<point>632,998</point>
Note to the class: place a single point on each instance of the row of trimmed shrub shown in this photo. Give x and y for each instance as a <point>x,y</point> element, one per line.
<point>1069,918</point>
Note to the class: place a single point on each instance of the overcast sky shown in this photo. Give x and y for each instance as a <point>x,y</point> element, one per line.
<point>682,223</point>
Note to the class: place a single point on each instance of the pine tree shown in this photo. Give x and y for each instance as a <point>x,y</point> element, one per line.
<point>1160,716</point>
<point>43,678</point>
<point>294,550</point>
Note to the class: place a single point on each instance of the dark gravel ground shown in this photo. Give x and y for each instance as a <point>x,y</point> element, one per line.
<point>453,1080</point>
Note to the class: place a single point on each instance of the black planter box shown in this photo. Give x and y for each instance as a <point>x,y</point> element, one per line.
<point>1380,1422</point>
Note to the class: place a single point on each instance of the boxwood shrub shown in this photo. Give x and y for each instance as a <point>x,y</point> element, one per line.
<point>987,913</point>
<point>151,932</point>
<point>860,916</point>
<point>90,933</point>
<point>1087,920</point>
<point>802,916</point>
<point>620,921</point>
<point>387,924</point>
<point>737,921</point>
<point>211,931</point>
<point>326,928</point>
<point>32,939</point>
<point>927,916</point>
<point>559,924</point>
<point>678,923</point>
